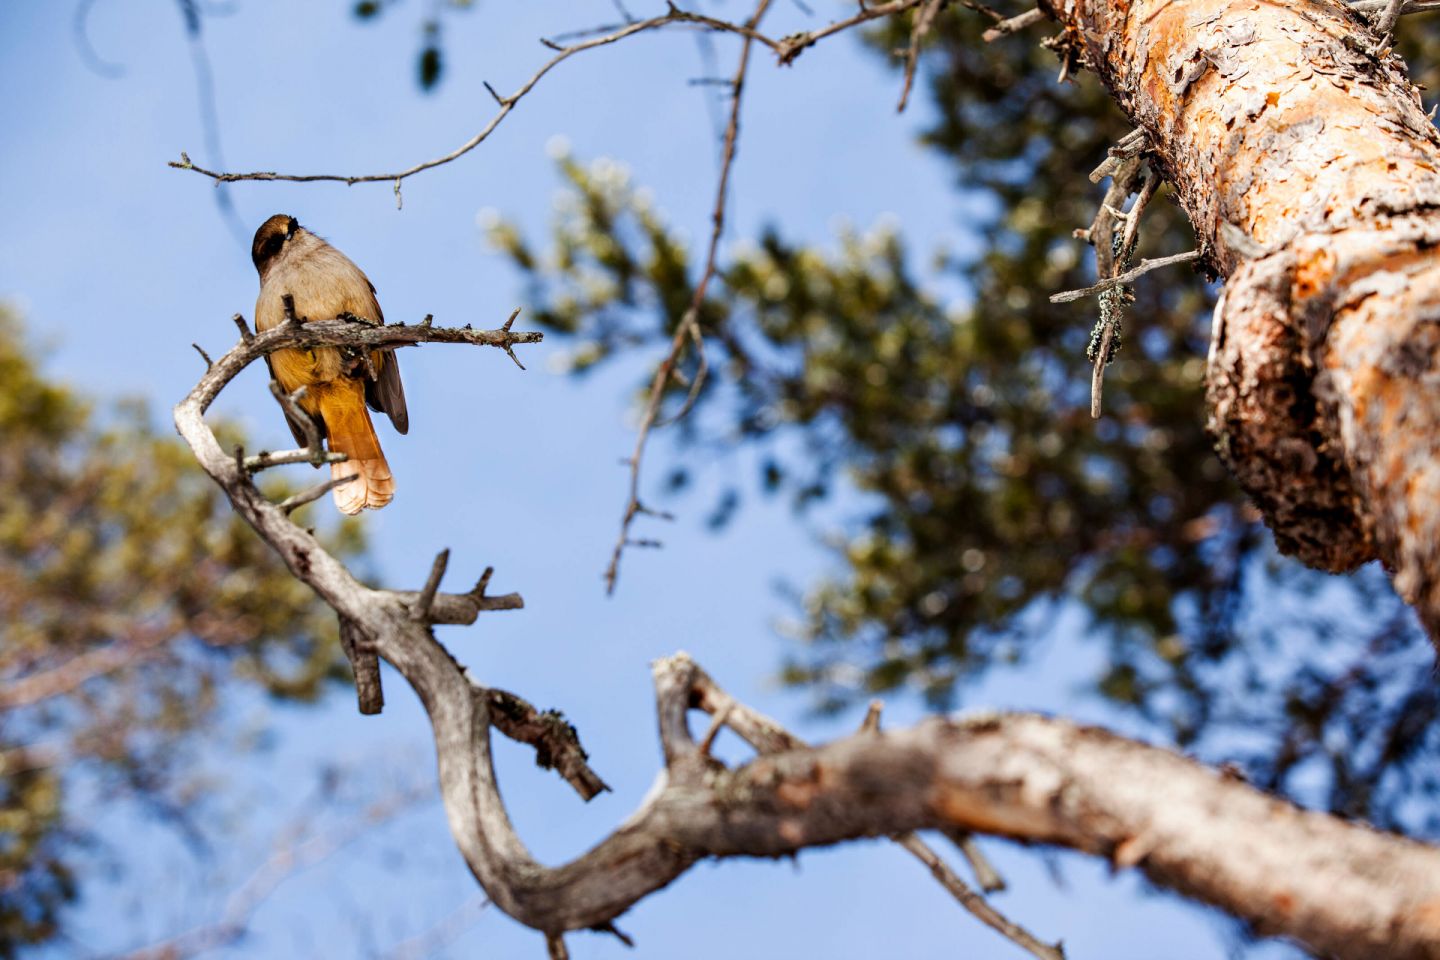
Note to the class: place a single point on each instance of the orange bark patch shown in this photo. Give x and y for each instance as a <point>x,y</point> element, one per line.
<point>1426,918</point>
<point>1313,274</point>
<point>973,810</point>
<point>798,795</point>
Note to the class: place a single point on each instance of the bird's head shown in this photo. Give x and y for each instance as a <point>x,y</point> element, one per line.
<point>271,239</point>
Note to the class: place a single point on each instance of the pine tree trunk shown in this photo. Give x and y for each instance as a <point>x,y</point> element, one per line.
<point>1309,170</point>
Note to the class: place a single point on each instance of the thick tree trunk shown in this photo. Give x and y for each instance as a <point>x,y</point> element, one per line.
<point>1309,171</point>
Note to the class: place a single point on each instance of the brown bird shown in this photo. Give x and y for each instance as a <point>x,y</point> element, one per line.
<point>325,284</point>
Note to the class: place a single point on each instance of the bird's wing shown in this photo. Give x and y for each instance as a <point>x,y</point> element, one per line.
<point>387,394</point>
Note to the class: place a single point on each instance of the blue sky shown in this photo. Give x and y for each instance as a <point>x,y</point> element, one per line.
<point>102,240</point>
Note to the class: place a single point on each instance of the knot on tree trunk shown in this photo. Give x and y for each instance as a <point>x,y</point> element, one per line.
<point>1324,388</point>
<point>1268,428</point>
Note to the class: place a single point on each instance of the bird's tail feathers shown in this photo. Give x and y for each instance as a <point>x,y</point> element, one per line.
<point>348,424</point>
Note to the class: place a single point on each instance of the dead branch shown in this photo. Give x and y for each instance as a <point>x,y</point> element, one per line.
<point>785,50</point>
<point>689,327</point>
<point>768,737</point>
<point>1013,25</point>
<point>924,19</point>
<point>1372,8</point>
<point>1339,887</point>
<point>1139,270</point>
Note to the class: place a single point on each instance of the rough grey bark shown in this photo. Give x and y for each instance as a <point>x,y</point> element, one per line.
<point>1340,888</point>
<point>1300,150</point>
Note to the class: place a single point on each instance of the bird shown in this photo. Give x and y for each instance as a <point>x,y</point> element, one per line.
<point>325,284</point>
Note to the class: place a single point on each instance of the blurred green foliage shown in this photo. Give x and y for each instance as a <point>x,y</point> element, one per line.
<point>976,500</point>
<point>130,597</point>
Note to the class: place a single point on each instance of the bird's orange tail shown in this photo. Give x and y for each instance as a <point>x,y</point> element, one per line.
<point>342,407</point>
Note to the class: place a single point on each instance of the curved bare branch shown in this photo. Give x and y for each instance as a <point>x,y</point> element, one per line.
<point>785,49</point>
<point>1340,888</point>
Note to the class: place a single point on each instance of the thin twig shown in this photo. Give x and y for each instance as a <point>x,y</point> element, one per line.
<point>290,403</point>
<point>610,928</point>
<point>203,355</point>
<point>792,46</point>
<point>311,494</point>
<point>1149,183</point>
<point>1013,25</point>
<point>1139,270</point>
<point>341,333</point>
<point>1384,23</point>
<point>478,591</point>
<point>266,459</point>
<point>978,906</point>
<point>365,665</point>
<point>924,18</point>
<point>717,721</point>
<point>1371,7</point>
<point>556,742</point>
<point>244,328</point>
<point>768,737</point>
<point>432,584</point>
<point>506,105</point>
<point>986,875</point>
<point>1124,172</point>
<point>1129,145</point>
<point>294,853</point>
<point>689,328</point>
<point>786,50</point>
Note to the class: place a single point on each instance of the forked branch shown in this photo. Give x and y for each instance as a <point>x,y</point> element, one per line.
<point>1338,887</point>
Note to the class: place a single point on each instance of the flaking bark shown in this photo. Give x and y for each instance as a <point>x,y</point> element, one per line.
<point>1307,165</point>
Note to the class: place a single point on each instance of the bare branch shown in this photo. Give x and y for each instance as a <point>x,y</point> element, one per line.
<point>1142,268</point>
<point>1129,145</point>
<point>341,333</point>
<point>1384,22</point>
<point>785,49</point>
<point>1013,25</point>
<point>245,334</point>
<point>924,18</point>
<point>266,459</point>
<point>977,904</point>
<point>506,105</point>
<point>365,665</point>
<point>311,494</point>
<point>1370,8</point>
<point>792,46</point>
<point>689,328</point>
<point>556,743</point>
<point>986,875</point>
<point>432,583</point>
<point>871,723</point>
<point>768,737</point>
<point>1029,778</point>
